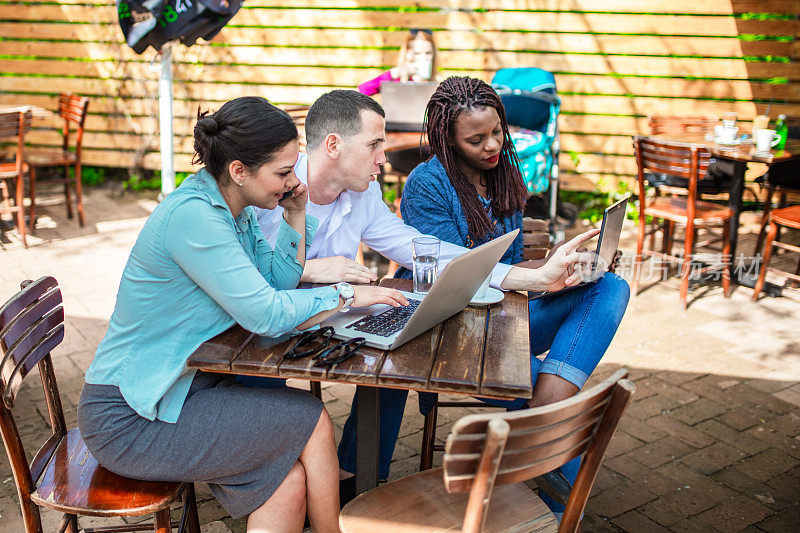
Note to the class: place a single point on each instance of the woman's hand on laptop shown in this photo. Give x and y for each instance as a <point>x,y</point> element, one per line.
<point>566,266</point>
<point>334,269</point>
<point>370,294</point>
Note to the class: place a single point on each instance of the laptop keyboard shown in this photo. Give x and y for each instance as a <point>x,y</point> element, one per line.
<point>387,323</point>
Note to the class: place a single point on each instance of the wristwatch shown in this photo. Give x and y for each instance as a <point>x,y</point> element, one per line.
<point>346,292</point>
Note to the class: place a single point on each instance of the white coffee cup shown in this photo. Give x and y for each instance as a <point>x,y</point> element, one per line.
<point>726,135</point>
<point>766,139</point>
<point>481,292</point>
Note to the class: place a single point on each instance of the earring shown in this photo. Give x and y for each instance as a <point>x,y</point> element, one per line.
<point>240,183</point>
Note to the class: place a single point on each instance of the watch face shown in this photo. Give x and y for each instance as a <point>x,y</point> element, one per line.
<point>346,290</point>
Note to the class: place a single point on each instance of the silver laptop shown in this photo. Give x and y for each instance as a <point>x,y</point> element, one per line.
<point>387,327</point>
<point>405,103</point>
<point>607,244</point>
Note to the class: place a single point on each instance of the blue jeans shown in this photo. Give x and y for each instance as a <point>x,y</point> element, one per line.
<point>576,327</point>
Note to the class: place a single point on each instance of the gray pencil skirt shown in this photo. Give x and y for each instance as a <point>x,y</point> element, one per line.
<point>240,440</point>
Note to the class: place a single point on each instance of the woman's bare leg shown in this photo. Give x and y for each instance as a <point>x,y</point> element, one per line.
<point>551,389</point>
<point>285,510</point>
<point>321,465</point>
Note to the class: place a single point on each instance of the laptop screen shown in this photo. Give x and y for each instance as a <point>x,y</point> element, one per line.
<point>405,103</point>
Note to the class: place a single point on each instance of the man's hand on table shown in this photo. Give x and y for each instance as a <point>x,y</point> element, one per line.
<point>334,269</point>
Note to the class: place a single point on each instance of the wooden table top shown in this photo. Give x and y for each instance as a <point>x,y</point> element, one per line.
<point>480,351</point>
<point>36,111</point>
<point>740,152</point>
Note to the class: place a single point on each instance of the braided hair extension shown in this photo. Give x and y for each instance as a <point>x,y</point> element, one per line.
<point>504,183</point>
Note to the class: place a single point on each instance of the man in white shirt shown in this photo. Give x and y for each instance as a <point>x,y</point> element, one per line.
<point>345,137</point>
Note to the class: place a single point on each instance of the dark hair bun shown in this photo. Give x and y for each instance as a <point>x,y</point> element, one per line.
<point>248,129</point>
<point>208,125</point>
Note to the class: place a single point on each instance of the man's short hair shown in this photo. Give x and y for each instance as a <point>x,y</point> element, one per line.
<point>337,112</point>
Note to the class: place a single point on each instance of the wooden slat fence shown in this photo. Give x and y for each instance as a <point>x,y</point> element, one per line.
<point>615,62</point>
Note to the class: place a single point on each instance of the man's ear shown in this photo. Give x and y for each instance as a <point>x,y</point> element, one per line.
<point>332,144</point>
<point>236,171</point>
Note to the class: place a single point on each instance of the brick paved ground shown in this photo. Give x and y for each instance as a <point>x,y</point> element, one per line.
<point>711,442</point>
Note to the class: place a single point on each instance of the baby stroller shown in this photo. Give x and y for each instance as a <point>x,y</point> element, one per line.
<point>531,103</point>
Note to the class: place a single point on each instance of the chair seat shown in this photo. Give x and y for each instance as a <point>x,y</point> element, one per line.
<point>420,504</point>
<point>788,216</point>
<point>73,482</point>
<point>9,169</point>
<point>45,157</point>
<point>676,209</point>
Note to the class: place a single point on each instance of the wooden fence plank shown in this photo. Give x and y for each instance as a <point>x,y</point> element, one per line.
<point>350,77</point>
<point>711,7</point>
<point>495,20</point>
<point>575,63</point>
<point>448,40</point>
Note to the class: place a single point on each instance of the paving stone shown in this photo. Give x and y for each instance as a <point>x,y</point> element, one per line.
<point>744,417</point>
<point>692,525</point>
<point>624,496</point>
<point>678,378</point>
<point>737,439</point>
<point>790,394</point>
<point>636,521</point>
<point>788,424</point>
<point>681,431</point>
<point>697,411</point>
<point>774,439</point>
<point>645,476</point>
<point>596,523</point>
<point>688,500</point>
<point>217,526</point>
<point>788,484</point>
<point>643,432</point>
<point>768,496</point>
<point>767,465</point>
<point>659,452</point>
<point>735,514</point>
<point>768,385</point>
<point>713,458</point>
<point>787,520</point>
<point>621,443</point>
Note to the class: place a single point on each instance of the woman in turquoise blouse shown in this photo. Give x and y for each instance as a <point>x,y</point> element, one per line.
<point>200,265</point>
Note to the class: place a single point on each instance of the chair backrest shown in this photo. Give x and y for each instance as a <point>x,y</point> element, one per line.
<point>665,125</point>
<point>535,239</point>
<point>31,325</point>
<point>537,441</point>
<point>73,108</point>
<point>14,125</point>
<point>673,158</point>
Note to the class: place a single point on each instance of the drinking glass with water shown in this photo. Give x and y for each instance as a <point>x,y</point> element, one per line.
<point>425,251</point>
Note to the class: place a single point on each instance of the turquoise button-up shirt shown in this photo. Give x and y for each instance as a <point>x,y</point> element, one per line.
<point>193,272</point>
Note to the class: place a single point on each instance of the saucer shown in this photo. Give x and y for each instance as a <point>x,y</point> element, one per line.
<point>492,296</point>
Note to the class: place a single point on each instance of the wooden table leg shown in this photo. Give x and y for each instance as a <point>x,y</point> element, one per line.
<point>368,420</point>
<point>735,203</point>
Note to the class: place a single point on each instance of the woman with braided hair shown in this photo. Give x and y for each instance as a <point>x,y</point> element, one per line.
<point>470,192</point>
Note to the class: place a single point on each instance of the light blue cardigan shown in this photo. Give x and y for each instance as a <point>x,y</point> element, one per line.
<point>194,272</point>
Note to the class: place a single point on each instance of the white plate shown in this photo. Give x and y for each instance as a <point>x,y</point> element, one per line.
<point>492,296</point>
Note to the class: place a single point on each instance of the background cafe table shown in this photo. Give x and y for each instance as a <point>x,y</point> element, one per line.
<point>482,351</point>
<point>740,155</point>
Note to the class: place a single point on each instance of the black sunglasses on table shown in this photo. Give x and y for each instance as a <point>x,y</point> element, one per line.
<point>315,343</point>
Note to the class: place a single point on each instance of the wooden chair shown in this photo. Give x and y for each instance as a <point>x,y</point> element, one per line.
<point>72,108</point>
<point>689,162</point>
<point>13,126</point>
<point>536,242</point>
<point>779,185</point>
<point>488,456</point>
<point>63,475</point>
<point>788,217</point>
